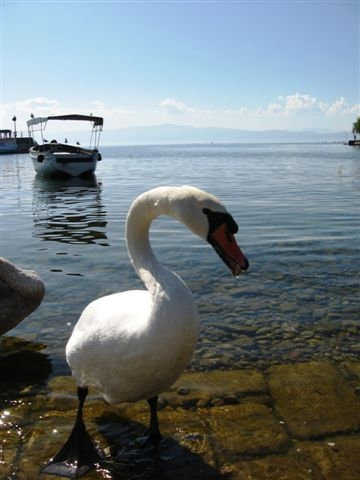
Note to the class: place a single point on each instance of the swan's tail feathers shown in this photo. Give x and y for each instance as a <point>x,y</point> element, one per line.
<point>79,454</point>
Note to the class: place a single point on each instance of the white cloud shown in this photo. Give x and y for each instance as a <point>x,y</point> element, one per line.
<point>172,106</point>
<point>116,116</point>
<point>354,109</point>
<point>297,104</point>
<point>274,108</point>
<point>101,109</point>
<point>297,110</point>
<point>337,107</point>
<point>341,107</point>
<point>37,105</point>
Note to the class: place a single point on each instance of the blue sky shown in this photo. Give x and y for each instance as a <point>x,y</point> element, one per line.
<point>253,65</point>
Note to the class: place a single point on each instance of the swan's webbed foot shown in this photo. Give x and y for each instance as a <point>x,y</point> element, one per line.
<point>78,455</point>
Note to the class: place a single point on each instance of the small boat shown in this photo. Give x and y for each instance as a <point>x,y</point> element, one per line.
<point>62,159</point>
<point>7,142</point>
<point>14,141</point>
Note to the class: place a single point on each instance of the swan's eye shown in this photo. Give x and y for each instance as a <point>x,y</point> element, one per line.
<point>219,218</point>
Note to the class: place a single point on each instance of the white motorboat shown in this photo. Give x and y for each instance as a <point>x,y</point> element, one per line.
<point>62,159</point>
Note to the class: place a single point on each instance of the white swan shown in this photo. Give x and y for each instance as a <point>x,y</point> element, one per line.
<point>21,292</point>
<point>135,344</point>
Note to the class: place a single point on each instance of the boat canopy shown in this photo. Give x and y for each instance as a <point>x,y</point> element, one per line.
<point>97,121</point>
<point>35,121</point>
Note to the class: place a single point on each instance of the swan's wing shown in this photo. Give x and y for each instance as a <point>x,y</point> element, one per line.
<point>108,327</point>
<point>118,349</point>
<point>118,314</point>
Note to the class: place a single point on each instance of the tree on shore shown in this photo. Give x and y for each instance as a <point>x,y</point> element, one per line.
<point>356,128</point>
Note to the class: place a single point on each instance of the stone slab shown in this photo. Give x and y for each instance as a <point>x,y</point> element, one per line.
<point>314,399</point>
<point>201,388</point>
<point>353,368</point>
<point>242,441</point>
<point>244,429</point>
<point>273,467</point>
<point>337,458</point>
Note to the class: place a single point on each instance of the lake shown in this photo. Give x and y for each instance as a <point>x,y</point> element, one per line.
<point>297,207</point>
<point>272,388</point>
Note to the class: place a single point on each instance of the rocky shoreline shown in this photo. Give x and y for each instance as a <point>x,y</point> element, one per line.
<point>290,422</point>
<point>253,344</point>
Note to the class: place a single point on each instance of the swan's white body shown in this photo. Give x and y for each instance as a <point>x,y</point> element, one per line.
<point>21,292</point>
<point>134,345</point>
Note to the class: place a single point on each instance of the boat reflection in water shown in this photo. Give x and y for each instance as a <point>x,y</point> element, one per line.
<point>69,211</point>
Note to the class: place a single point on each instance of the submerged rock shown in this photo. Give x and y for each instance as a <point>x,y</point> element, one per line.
<point>204,387</point>
<point>22,364</point>
<point>335,459</point>
<point>314,399</point>
<point>246,429</point>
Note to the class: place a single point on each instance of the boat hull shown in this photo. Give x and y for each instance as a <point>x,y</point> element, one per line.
<point>64,163</point>
<point>8,146</point>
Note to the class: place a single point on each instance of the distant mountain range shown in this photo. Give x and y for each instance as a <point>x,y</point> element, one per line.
<point>168,133</point>
<point>177,134</point>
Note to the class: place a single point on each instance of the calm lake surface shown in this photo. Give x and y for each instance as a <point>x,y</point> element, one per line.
<point>297,207</point>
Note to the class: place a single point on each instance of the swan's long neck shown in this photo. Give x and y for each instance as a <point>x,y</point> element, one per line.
<point>143,211</point>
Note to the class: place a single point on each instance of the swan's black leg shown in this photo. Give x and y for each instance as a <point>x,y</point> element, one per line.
<point>79,454</point>
<point>154,435</point>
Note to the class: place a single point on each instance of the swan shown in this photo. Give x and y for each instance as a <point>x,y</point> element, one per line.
<point>21,292</point>
<point>133,345</point>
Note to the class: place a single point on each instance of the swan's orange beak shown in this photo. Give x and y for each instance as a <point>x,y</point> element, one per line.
<point>226,246</point>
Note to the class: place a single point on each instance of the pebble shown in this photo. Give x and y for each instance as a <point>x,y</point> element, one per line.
<point>263,331</point>
<point>307,334</point>
<point>287,306</point>
<point>183,391</point>
<point>203,402</point>
<point>230,399</point>
<point>251,344</point>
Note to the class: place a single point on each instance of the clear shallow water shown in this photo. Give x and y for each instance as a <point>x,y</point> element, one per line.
<point>297,207</point>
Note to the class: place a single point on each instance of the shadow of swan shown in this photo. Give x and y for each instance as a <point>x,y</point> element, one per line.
<point>131,461</point>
